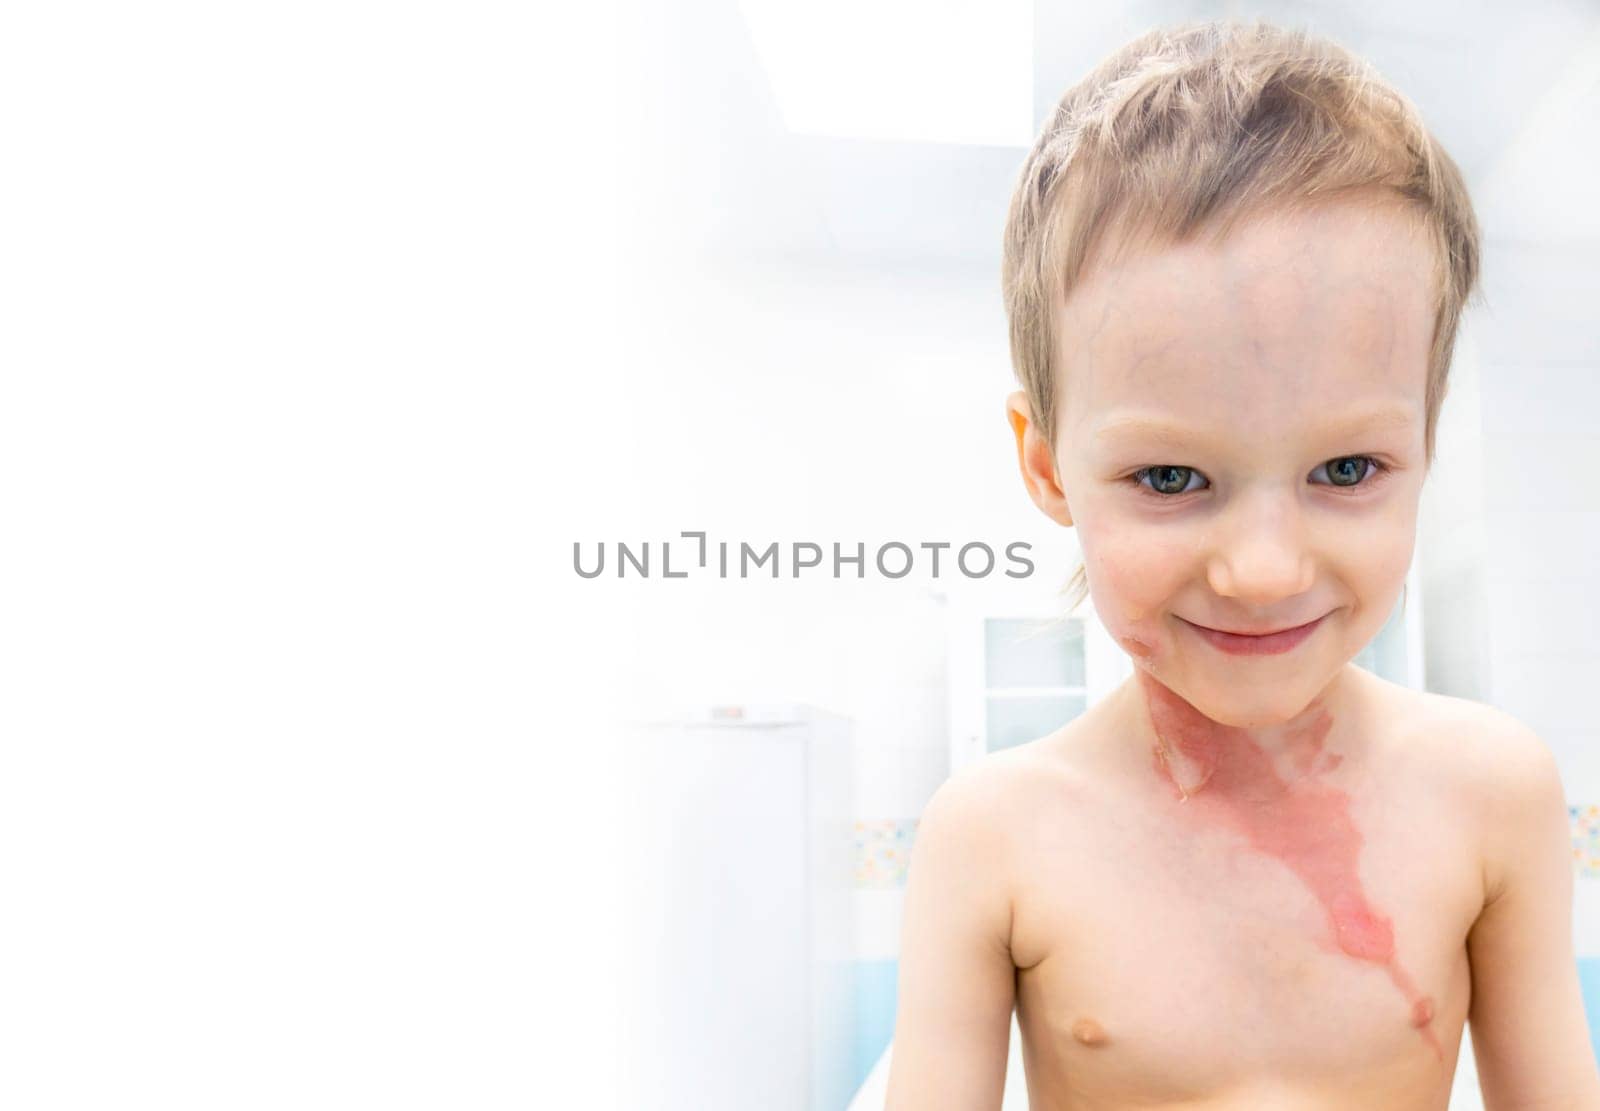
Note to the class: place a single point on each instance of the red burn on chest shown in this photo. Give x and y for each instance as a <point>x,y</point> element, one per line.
<point>1224,778</point>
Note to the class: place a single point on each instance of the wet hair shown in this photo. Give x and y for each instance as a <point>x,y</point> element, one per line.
<point>1189,129</point>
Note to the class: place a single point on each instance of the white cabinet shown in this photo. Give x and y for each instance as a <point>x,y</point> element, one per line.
<point>740,872</point>
<point>1019,670</point>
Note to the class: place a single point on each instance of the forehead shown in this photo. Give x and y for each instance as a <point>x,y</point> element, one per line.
<point>1295,317</point>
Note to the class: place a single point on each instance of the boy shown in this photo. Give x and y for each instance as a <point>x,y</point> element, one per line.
<point>1255,876</point>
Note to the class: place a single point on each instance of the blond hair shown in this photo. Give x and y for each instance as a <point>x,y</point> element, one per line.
<point>1187,130</point>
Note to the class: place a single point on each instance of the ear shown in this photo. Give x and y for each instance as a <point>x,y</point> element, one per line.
<point>1037,461</point>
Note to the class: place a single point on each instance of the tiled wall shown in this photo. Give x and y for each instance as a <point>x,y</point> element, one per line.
<point>1585,840</point>
<point>882,851</point>
<point>881,856</point>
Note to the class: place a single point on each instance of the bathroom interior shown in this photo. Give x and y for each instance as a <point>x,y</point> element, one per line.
<point>827,360</point>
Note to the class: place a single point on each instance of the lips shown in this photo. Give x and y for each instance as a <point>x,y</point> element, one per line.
<point>1256,632</point>
<point>1256,644</point>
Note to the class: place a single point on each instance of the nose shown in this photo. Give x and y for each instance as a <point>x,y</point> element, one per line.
<point>1262,554</point>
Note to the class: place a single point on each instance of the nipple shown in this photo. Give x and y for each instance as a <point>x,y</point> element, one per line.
<point>1303,822</point>
<point>1088,1031</point>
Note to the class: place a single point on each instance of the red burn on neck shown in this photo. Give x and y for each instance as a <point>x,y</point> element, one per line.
<point>1226,779</point>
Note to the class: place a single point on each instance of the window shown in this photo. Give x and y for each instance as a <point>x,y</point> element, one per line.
<point>1034,678</point>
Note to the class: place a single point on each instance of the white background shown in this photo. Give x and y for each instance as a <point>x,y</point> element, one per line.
<point>303,327</point>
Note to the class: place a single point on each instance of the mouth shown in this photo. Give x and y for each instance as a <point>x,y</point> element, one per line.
<point>1257,644</point>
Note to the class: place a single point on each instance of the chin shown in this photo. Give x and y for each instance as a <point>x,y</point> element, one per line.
<point>1273,701</point>
<point>1242,714</point>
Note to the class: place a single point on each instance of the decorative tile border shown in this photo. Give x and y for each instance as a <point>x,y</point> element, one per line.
<point>1586,839</point>
<point>882,851</point>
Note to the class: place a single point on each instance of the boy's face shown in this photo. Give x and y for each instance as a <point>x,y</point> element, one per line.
<point>1259,382</point>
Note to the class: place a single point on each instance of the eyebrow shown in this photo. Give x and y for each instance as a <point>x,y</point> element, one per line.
<point>1153,428</point>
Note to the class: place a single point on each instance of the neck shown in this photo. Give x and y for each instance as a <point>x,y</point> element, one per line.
<point>1190,753</point>
<point>1269,789</point>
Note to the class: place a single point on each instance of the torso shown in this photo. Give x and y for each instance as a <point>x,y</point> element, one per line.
<point>1164,961</point>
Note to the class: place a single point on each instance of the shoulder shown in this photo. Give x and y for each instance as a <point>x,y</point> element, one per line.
<point>962,870</point>
<point>1492,750</point>
<point>978,797</point>
<point>976,812</point>
<point>1499,753</point>
<point>1509,777</point>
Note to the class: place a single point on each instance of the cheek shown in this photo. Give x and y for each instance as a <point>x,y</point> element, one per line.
<point>1380,562</point>
<point>1133,575</point>
<point>1377,574</point>
<point>1129,562</point>
<point>1402,547</point>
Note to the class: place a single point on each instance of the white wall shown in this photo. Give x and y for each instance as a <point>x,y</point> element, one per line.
<point>1452,539</point>
<point>1524,634</point>
<point>1541,462</point>
<point>796,402</point>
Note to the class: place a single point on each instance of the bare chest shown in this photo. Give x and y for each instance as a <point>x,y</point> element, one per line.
<point>1172,951</point>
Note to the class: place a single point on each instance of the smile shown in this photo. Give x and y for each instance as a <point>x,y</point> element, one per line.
<point>1239,644</point>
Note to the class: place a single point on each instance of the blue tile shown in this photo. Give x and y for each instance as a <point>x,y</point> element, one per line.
<point>876,993</point>
<point>1589,977</point>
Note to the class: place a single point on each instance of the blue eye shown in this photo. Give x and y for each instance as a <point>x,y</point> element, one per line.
<point>1166,481</point>
<point>1169,481</point>
<point>1349,470</point>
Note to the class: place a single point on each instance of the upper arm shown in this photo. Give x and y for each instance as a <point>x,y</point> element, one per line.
<point>953,1019</point>
<point>1529,1036</point>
